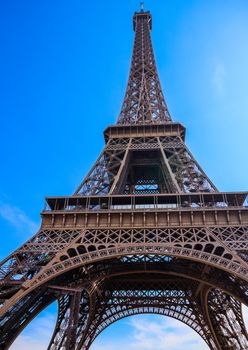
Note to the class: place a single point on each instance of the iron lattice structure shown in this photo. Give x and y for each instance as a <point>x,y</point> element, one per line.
<point>145,232</point>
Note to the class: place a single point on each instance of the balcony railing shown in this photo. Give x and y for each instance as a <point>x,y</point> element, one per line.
<point>148,202</point>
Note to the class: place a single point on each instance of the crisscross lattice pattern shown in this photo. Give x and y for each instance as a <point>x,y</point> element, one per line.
<point>144,102</point>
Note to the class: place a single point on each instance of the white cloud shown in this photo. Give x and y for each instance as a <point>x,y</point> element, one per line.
<point>159,333</point>
<point>27,343</point>
<point>37,335</point>
<point>16,217</point>
<point>218,77</point>
<point>167,332</point>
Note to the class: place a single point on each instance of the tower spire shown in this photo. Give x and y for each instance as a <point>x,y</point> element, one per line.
<point>144,102</point>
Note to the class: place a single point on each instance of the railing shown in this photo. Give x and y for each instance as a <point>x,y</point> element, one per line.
<point>148,202</point>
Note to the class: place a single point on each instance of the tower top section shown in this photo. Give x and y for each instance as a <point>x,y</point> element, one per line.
<point>141,16</point>
<point>144,102</point>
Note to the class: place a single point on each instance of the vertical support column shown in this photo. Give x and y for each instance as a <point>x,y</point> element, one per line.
<point>175,186</point>
<point>74,310</point>
<point>122,172</point>
<point>71,335</point>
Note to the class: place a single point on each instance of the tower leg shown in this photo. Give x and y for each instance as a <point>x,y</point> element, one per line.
<point>225,316</point>
<point>71,334</point>
<point>72,321</point>
<point>19,315</point>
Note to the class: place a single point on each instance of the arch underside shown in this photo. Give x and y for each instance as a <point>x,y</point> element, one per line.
<point>188,301</point>
<point>93,297</point>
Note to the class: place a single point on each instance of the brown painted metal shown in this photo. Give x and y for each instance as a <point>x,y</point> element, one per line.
<point>146,232</point>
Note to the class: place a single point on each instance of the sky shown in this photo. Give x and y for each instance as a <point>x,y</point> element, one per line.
<point>64,68</point>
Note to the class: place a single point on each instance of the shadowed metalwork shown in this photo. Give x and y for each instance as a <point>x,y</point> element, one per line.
<point>145,232</point>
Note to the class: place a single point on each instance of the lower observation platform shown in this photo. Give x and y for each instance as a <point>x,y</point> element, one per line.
<point>147,211</point>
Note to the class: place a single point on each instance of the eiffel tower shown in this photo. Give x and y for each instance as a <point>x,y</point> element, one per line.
<point>145,232</point>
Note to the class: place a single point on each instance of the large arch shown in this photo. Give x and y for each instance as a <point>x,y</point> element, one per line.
<point>87,246</point>
<point>126,295</point>
<point>148,328</point>
<point>68,288</point>
<point>196,244</point>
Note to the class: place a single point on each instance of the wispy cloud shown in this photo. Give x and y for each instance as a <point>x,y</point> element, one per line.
<point>219,77</point>
<point>27,343</point>
<point>173,334</point>
<point>159,333</point>
<point>16,217</point>
<point>37,335</point>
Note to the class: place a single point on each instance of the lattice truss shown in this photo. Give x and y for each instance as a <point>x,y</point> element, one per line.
<point>144,102</point>
<point>226,317</point>
<point>179,170</point>
<point>60,249</point>
<point>103,173</point>
<point>223,246</point>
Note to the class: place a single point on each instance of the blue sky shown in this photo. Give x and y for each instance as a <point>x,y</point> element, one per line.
<point>64,67</point>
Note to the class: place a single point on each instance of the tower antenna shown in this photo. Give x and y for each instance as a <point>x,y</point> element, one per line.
<point>142,6</point>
